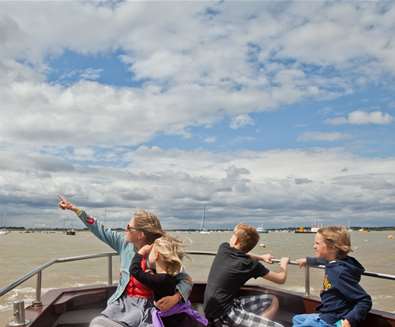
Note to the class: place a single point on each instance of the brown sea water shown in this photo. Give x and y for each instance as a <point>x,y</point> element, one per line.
<point>21,252</point>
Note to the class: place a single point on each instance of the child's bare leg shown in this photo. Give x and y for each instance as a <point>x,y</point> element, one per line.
<point>271,311</point>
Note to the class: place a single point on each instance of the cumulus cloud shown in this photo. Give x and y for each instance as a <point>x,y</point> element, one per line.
<point>359,117</point>
<point>241,121</point>
<point>186,81</point>
<point>322,136</point>
<point>196,65</point>
<point>251,186</point>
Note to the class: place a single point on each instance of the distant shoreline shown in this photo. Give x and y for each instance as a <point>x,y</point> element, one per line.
<point>287,229</point>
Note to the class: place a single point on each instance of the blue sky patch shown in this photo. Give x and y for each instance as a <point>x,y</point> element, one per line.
<point>104,68</point>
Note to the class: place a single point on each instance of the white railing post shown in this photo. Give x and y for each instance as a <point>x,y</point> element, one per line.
<point>37,301</point>
<point>19,315</point>
<point>307,280</point>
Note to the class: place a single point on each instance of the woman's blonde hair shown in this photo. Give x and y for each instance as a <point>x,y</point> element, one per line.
<point>149,224</point>
<point>337,238</point>
<point>170,252</point>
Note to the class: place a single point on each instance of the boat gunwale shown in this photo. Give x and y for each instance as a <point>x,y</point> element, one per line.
<point>59,301</point>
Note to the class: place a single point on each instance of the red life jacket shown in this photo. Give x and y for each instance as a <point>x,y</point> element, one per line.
<point>135,288</point>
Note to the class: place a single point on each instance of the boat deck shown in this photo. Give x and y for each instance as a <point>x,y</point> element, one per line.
<point>75,307</point>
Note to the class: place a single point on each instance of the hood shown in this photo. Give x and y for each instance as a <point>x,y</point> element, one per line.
<point>347,265</point>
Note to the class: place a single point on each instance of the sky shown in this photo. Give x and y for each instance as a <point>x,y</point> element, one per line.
<point>276,114</point>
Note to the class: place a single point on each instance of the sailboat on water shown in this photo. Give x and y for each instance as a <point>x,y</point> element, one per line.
<point>3,230</point>
<point>203,229</point>
<point>261,229</point>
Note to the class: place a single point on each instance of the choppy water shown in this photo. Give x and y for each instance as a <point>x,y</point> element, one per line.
<point>21,252</point>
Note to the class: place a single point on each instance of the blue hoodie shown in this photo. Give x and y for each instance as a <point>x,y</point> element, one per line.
<point>342,297</point>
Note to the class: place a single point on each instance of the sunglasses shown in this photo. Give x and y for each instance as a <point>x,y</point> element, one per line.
<point>131,229</point>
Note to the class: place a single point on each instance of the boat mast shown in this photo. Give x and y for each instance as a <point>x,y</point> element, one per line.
<point>203,219</point>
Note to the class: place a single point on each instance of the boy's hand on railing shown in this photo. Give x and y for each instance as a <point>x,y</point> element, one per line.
<point>268,258</point>
<point>284,262</point>
<point>301,262</point>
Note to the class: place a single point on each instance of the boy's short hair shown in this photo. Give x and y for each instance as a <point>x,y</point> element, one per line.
<point>338,238</point>
<point>247,235</point>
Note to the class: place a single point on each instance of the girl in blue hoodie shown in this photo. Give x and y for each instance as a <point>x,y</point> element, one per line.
<point>343,301</point>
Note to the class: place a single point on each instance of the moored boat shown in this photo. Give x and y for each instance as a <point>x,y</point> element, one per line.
<point>262,230</point>
<point>304,230</point>
<point>70,232</point>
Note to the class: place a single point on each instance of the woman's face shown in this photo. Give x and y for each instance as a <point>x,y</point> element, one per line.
<point>132,235</point>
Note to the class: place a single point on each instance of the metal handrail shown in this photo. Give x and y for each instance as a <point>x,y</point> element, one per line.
<point>38,271</point>
<point>306,270</point>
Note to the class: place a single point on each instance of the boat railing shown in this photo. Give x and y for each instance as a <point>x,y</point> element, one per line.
<point>38,271</point>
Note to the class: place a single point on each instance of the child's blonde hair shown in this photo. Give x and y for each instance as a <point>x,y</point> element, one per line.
<point>171,252</point>
<point>247,235</point>
<point>338,238</point>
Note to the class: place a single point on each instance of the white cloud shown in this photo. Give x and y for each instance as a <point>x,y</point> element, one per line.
<point>248,185</point>
<point>241,121</point>
<point>375,117</point>
<point>322,136</point>
<point>189,80</point>
<point>359,117</point>
<point>317,26</point>
<point>91,113</point>
<point>194,70</point>
<point>337,121</point>
<point>90,74</point>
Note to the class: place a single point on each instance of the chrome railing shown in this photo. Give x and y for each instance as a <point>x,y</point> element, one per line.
<point>306,270</point>
<point>38,271</point>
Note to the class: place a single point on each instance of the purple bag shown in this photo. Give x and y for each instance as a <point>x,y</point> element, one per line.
<point>182,313</point>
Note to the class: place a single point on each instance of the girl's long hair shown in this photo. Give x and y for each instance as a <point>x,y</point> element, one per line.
<point>171,253</point>
<point>338,238</point>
